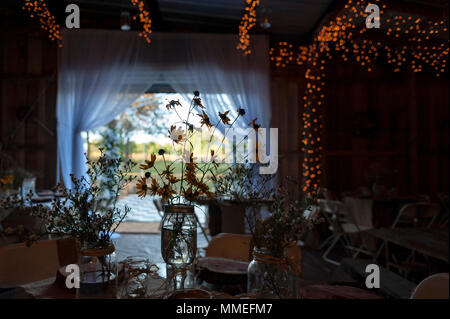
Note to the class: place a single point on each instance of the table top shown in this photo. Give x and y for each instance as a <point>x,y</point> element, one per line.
<point>52,288</point>
<point>428,241</point>
<point>48,289</point>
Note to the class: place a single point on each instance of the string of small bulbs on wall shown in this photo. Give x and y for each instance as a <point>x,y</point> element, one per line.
<point>341,37</point>
<point>38,9</point>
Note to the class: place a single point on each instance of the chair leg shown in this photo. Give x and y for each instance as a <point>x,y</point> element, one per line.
<point>377,254</point>
<point>363,248</point>
<point>326,241</point>
<point>325,255</point>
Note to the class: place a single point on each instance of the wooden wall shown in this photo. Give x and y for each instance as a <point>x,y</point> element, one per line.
<point>398,120</point>
<point>28,90</point>
<point>287,89</point>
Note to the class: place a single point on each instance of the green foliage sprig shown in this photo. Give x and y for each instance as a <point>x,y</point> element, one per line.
<point>290,219</point>
<point>82,212</point>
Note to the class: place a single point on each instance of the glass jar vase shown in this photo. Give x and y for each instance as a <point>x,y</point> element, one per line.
<point>270,277</point>
<point>134,281</point>
<point>97,272</point>
<point>178,243</point>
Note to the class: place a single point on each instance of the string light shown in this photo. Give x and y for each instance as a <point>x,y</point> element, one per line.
<point>248,21</point>
<point>144,18</point>
<point>38,9</point>
<point>339,38</point>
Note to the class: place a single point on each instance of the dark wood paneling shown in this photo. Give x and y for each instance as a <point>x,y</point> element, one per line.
<point>28,86</point>
<point>411,141</point>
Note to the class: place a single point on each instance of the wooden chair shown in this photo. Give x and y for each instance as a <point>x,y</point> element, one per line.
<point>231,246</point>
<point>20,264</point>
<point>432,287</point>
<point>240,247</point>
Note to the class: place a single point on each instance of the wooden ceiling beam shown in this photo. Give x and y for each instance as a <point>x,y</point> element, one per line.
<point>433,9</point>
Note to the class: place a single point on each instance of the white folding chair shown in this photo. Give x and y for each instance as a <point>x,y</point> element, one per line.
<point>343,226</point>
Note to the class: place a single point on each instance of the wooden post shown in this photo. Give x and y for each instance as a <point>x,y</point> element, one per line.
<point>413,148</point>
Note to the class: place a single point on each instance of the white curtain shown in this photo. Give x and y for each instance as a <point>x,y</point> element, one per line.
<point>101,72</point>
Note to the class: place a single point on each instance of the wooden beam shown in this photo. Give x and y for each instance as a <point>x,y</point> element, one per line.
<point>413,149</point>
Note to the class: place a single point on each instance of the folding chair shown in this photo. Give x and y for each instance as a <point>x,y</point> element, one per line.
<point>343,226</point>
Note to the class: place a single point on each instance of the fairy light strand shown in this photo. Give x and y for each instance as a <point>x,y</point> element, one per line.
<point>38,9</point>
<point>144,18</point>
<point>248,21</point>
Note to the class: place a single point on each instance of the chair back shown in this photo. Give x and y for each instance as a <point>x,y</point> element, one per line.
<point>20,264</point>
<point>420,214</point>
<point>361,211</point>
<point>231,246</point>
<point>336,213</point>
<point>432,287</point>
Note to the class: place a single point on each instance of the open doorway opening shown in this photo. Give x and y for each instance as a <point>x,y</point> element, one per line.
<point>135,134</point>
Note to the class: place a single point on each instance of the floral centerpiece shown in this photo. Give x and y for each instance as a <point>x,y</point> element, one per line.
<point>83,214</point>
<point>194,173</point>
<point>183,180</point>
<point>6,182</point>
<point>241,182</point>
<point>271,273</point>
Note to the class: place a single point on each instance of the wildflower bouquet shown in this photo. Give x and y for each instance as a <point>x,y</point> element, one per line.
<point>241,182</point>
<point>288,222</point>
<point>82,213</point>
<point>194,173</point>
<point>6,180</point>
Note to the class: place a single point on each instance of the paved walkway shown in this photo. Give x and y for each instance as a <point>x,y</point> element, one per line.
<point>143,209</point>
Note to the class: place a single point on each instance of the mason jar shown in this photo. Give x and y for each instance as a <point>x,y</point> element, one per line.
<point>270,277</point>
<point>178,243</point>
<point>97,272</point>
<point>134,282</point>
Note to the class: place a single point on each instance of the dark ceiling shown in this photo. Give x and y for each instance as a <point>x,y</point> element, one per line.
<point>290,19</point>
